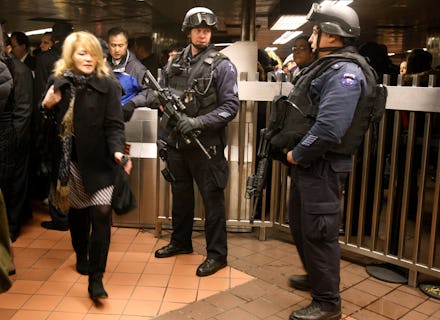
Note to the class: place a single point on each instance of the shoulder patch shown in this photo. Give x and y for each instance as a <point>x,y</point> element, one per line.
<point>349,80</point>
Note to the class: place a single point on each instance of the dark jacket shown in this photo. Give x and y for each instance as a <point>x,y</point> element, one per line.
<point>30,61</point>
<point>98,129</point>
<point>43,69</point>
<point>5,85</point>
<point>22,114</point>
<point>132,66</point>
<point>7,132</point>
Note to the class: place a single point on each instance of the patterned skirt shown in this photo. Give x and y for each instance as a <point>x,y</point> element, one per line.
<point>80,199</point>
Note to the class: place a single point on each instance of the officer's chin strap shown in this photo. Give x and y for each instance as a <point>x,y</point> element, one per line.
<point>328,49</point>
<point>324,49</point>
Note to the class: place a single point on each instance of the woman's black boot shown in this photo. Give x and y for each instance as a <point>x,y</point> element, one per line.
<point>97,263</point>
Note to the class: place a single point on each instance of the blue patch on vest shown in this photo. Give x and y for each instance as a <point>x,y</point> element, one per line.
<point>348,80</point>
<point>308,141</point>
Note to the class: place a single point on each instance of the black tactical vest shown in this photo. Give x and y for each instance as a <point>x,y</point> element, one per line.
<point>192,80</point>
<point>292,117</point>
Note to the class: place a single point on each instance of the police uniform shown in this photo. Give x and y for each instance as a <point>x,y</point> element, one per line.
<point>317,182</point>
<point>207,84</point>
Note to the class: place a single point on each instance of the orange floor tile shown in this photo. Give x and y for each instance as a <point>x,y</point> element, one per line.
<point>47,286</point>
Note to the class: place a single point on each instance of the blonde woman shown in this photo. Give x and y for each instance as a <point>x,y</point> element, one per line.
<point>85,101</point>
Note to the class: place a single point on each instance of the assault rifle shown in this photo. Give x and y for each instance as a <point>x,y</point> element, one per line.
<point>256,182</point>
<point>172,110</point>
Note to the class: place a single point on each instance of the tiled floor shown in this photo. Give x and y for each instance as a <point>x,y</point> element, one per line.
<point>140,286</point>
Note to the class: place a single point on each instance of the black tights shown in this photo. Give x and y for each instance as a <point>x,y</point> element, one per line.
<point>100,217</point>
<point>80,220</point>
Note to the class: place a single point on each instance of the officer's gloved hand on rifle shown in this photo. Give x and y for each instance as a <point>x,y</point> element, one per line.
<point>153,101</point>
<point>127,110</point>
<point>187,124</point>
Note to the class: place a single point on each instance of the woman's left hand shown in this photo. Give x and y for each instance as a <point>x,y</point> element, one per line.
<point>119,158</point>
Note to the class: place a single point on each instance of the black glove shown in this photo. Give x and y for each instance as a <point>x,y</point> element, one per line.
<point>153,101</point>
<point>127,110</point>
<point>187,124</point>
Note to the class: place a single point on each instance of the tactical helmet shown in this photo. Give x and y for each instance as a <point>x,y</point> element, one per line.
<point>199,16</point>
<point>337,20</point>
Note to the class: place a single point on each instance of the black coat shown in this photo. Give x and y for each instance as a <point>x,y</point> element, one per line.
<point>98,129</point>
<point>23,87</point>
<point>6,84</point>
<point>43,69</point>
<point>7,132</point>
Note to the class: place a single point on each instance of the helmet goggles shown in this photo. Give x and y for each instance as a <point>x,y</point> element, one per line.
<point>199,18</point>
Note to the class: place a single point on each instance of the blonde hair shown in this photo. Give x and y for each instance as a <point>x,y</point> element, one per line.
<point>91,44</point>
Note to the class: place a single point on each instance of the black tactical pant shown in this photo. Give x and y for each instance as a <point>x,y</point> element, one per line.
<point>211,177</point>
<point>314,207</point>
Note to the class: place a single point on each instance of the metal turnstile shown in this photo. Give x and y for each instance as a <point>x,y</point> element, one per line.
<point>141,134</point>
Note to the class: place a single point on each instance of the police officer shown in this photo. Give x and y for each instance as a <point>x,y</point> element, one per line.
<point>321,160</point>
<point>206,81</point>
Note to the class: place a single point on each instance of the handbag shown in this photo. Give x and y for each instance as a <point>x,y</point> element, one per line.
<point>123,199</point>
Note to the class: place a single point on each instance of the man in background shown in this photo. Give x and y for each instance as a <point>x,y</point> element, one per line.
<point>129,71</point>
<point>143,49</point>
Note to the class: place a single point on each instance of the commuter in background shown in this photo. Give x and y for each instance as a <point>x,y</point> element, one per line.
<point>7,157</point>
<point>21,49</point>
<point>321,160</point>
<point>265,64</point>
<point>129,71</point>
<point>44,131</point>
<point>143,49</point>
<point>18,200</point>
<point>170,52</point>
<point>378,58</point>
<point>7,132</point>
<point>419,63</point>
<point>302,53</point>
<point>403,67</point>
<point>45,61</point>
<point>289,66</point>
<point>418,68</point>
<point>86,102</point>
<point>278,66</point>
<point>46,43</point>
<point>206,81</point>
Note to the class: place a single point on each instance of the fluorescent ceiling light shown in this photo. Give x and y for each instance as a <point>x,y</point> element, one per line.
<point>289,22</point>
<point>39,31</point>
<point>336,2</point>
<point>287,36</point>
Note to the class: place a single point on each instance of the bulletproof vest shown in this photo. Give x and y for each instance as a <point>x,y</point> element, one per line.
<point>192,80</point>
<point>292,117</point>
